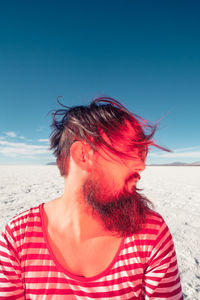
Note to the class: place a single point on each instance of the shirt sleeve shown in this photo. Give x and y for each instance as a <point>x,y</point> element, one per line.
<point>161,279</point>
<point>11,284</point>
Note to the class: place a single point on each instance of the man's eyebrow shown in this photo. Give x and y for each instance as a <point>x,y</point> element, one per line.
<point>140,154</point>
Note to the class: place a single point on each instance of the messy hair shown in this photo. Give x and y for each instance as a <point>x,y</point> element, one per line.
<point>104,116</point>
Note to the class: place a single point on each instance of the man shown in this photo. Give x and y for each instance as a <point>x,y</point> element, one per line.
<point>100,240</point>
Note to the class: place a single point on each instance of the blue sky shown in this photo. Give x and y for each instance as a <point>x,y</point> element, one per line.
<point>145,54</point>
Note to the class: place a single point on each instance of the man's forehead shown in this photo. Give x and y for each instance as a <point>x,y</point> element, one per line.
<point>120,152</point>
<point>134,152</point>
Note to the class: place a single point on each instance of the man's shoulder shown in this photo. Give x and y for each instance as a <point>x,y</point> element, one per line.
<point>152,227</point>
<point>153,217</point>
<point>25,218</point>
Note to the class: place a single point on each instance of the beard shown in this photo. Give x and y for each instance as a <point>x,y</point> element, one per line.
<point>123,213</point>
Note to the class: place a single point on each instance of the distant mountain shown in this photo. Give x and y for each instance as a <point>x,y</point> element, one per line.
<point>177,163</point>
<point>51,164</point>
<point>196,163</point>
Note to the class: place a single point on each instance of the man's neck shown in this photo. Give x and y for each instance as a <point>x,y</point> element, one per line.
<point>70,217</point>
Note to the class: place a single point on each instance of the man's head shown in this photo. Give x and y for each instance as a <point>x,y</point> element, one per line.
<point>103,124</point>
<point>119,142</point>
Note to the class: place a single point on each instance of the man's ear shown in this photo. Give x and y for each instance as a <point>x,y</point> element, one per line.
<point>82,155</point>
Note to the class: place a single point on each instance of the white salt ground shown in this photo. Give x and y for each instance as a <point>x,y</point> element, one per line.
<point>175,192</point>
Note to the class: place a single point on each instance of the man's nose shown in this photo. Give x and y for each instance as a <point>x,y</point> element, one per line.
<point>141,166</point>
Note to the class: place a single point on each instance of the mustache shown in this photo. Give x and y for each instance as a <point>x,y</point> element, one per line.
<point>135,175</point>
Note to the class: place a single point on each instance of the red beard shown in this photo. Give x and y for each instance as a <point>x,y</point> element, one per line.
<point>123,214</point>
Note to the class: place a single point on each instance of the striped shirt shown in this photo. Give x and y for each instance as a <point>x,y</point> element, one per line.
<point>144,267</point>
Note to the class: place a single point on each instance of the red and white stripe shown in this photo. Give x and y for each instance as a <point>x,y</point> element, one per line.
<point>145,266</point>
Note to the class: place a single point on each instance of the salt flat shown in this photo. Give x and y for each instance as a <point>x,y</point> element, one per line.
<point>175,192</point>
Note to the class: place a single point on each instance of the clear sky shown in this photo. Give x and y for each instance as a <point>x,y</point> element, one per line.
<point>146,54</point>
